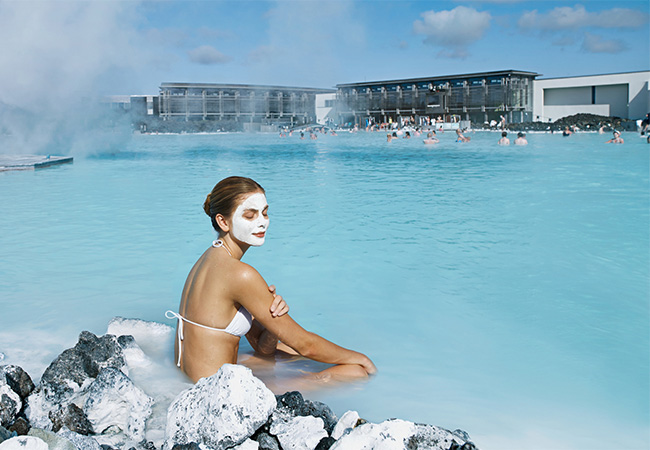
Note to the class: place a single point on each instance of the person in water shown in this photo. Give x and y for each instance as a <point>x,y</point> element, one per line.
<point>521,139</point>
<point>617,139</point>
<point>504,139</point>
<point>224,298</point>
<point>431,139</point>
<point>460,137</point>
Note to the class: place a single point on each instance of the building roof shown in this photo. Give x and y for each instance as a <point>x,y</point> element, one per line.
<point>444,78</point>
<point>596,75</point>
<point>243,87</point>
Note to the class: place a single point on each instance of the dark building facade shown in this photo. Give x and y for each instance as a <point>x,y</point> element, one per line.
<point>241,106</point>
<point>477,97</point>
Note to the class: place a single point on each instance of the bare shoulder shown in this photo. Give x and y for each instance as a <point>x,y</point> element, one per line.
<point>245,274</point>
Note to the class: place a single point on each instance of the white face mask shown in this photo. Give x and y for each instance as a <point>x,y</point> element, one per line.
<point>249,223</point>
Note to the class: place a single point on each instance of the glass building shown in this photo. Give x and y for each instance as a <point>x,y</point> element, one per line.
<point>247,105</point>
<point>477,97</point>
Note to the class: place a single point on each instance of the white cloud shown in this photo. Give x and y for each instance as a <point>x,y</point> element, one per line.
<point>573,18</point>
<point>207,55</point>
<point>596,44</point>
<point>456,28</point>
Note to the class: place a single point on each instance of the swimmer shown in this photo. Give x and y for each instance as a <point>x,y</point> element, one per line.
<point>645,124</point>
<point>504,139</point>
<point>617,139</point>
<point>389,137</point>
<point>224,299</point>
<point>567,131</point>
<point>431,139</point>
<point>407,135</point>
<point>460,137</point>
<point>521,139</point>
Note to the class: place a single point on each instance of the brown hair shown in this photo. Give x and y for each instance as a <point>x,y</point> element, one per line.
<point>226,194</point>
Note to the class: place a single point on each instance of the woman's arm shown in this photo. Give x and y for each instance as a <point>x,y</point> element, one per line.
<point>261,339</point>
<point>252,292</point>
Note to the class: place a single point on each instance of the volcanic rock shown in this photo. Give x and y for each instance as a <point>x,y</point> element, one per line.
<point>220,411</point>
<point>113,400</point>
<point>345,424</point>
<point>18,380</point>
<point>24,443</point>
<point>396,433</point>
<point>299,433</point>
<point>80,441</point>
<point>70,373</point>
<point>73,418</point>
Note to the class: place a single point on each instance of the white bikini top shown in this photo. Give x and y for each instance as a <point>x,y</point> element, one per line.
<point>238,326</point>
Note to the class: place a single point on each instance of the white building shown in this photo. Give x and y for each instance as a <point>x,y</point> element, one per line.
<point>625,95</point>
<point>325,108</point>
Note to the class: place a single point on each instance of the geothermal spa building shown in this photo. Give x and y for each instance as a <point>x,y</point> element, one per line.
<point>249,107</point>
<point>476,97</point>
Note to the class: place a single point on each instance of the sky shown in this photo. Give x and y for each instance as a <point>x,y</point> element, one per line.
<point>56,56</point>
<point>130,47</point>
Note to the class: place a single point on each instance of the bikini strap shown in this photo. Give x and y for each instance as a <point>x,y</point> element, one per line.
<point>174,315</point>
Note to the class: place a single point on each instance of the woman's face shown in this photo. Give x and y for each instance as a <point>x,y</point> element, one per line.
<point>251,220</point>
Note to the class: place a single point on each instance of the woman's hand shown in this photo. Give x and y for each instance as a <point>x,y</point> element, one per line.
<point>279,307</point>
<point>369,366</point>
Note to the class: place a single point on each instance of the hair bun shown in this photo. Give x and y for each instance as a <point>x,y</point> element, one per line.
<point>206,205</point>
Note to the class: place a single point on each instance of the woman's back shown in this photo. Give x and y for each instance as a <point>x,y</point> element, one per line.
<point>207,300</point>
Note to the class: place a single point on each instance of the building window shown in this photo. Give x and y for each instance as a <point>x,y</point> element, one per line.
<point>329,103</point>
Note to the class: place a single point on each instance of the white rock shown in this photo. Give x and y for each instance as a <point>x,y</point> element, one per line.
<point>248,444</point>
<point>432,437</point>
<point>80,441</point>
<point>299,433</point>
<point>135,357</point>
<point>53,441</point>
<point>113,399</point>
<point>397,434</point>
<point>13,407</point>
<point>220,411</point>
<point>148,335</point>
<point>347,422</point>
<point>388,435</point>
<point>23,443</point>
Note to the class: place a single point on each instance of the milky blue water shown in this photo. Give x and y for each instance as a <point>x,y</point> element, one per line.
<point>501,290</point>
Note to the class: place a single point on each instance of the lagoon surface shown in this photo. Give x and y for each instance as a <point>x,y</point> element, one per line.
<point>500,290</point>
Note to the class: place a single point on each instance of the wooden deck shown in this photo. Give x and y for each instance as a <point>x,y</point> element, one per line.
<point>31,162</point>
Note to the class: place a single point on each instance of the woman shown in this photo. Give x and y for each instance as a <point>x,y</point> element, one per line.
<point>222,295</point>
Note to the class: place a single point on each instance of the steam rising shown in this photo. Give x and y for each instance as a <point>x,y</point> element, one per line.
<point>58,59</point>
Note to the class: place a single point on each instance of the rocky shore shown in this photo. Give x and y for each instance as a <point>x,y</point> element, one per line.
<point>583,122</point>
<point>85,400</point>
